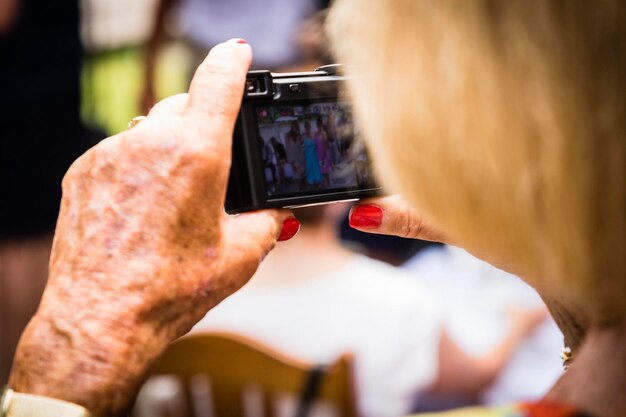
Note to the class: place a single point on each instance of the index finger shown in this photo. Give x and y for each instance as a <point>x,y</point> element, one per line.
<point>392,216</point>
<point>217,87</point>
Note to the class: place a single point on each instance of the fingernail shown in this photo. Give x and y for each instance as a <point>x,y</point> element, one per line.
<point>290,229</point>
<point>238,40</point>
<point>366,217</point>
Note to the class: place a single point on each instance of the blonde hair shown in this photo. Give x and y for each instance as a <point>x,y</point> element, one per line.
<point>504,122</point>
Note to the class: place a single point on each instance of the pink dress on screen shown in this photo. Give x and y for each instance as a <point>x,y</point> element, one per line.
<point>322,153</point>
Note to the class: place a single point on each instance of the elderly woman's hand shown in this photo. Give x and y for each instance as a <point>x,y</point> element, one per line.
<point>143,247</point>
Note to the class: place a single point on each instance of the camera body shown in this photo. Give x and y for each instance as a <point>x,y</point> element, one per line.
<point>295,144</point>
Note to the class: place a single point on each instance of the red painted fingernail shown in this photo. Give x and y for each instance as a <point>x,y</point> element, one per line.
<point>240,40</point>
<point>291,226</point>
<point>366,217</point>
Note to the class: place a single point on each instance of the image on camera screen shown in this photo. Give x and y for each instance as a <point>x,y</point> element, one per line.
<point>311,149</point>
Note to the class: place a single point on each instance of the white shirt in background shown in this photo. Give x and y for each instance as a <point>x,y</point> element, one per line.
<point>475,297</point>
<point>388,321</point>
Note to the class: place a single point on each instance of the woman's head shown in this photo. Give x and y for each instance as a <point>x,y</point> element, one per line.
<point>307,126</point>
<point>504,123</point>
<point>295,127</point>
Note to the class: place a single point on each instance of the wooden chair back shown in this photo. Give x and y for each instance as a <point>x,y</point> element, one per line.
<point>228,375</point>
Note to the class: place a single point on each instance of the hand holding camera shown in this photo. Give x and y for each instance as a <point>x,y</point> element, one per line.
<point>143,247</point>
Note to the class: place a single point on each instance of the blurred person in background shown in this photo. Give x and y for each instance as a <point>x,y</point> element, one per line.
<point>331,130</point>
<point>315,300</point>
<point>281,156</point>
<point>273,27</point>
<point>41,133</point>
<point>475,299</point>
<point>323,154</point>
<point>295,152</point>
<point>311,161</point>
<point>268,156</point>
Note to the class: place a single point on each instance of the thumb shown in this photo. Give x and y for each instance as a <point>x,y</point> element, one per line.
<point>251,236</point>
<point>217,87</point>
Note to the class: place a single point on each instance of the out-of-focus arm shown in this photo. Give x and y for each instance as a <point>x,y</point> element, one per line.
<point>153,46</point>
<point>462,374</point>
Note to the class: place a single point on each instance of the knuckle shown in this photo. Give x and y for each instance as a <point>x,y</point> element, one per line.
<point>409,229</point>
<point>411,226</point>
<point>417,228</point>
<point>220,73</point>
<point>218,67</point>
<point>68,180</point>
<point>221,87</point>
<point>77,170</point>
<point>200,164</point>
<point>173,104</point>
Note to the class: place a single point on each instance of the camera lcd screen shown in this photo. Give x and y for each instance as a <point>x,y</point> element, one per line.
<point>311,148</point>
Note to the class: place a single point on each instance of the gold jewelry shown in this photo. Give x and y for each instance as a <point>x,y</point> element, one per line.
<point>566,357</point>
<point>17,404</point>
<point>135,121</point>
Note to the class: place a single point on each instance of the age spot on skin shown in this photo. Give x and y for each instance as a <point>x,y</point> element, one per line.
<point>169,145</point>
<point>138,179</point>
<point>210,252</point>
<point>204,292</point>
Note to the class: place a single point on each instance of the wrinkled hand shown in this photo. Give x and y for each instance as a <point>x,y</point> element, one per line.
<point>143,247</point>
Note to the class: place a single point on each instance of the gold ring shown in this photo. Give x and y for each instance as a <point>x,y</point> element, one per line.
<point>135,121</point>
<point>566,357</point>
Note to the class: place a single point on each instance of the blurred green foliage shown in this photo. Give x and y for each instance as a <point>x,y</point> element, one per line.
<point>113,83</point>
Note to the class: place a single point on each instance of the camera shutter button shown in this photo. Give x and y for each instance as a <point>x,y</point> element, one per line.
<point>294,88</point>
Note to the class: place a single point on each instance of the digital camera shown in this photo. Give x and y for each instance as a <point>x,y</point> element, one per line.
<point>295,143</point>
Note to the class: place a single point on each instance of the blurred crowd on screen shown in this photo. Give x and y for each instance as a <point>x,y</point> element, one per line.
<point>83,69</point>
<point>311,148</point>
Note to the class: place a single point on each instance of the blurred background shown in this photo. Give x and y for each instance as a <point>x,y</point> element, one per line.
<point>335,322</point>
